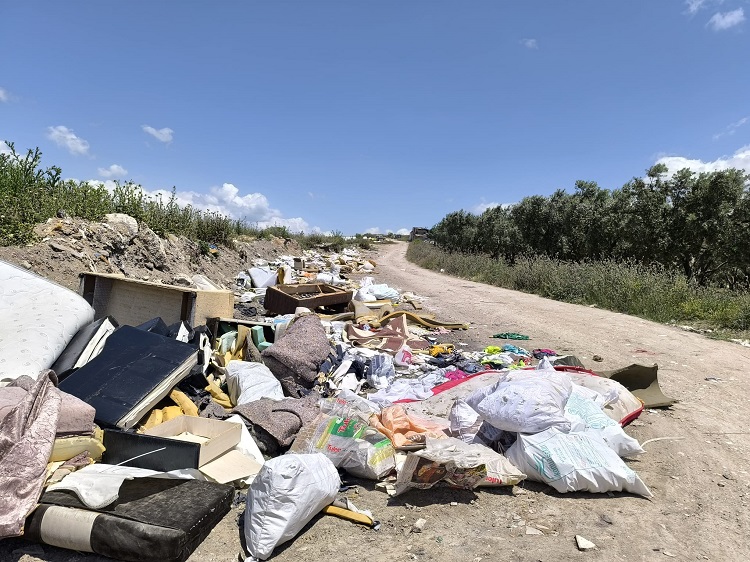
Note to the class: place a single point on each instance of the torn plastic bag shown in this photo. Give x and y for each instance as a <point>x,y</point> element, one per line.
<point>287,493</point>
<point>456,464</point>
<point>524,401</point>
<point>465,421</point>
<point>574,462</point>
<point>350,443</point>
<point>347,404</point>
<point>247,382</point>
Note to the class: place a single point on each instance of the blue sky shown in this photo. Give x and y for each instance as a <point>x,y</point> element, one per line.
<point>374,116</point>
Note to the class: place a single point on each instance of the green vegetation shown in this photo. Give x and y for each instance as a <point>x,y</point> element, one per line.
<point>695,224</point>
<point>667,248</point>
<point>30,194</point>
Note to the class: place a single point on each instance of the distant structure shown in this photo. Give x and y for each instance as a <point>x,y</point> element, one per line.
<point>418,232</point>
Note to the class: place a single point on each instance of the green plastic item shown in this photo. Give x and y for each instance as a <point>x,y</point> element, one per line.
<point>511,336</point>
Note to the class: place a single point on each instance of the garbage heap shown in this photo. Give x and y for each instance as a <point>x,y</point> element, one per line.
<point>131,414</point>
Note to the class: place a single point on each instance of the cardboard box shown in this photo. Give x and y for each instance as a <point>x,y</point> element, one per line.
<point>132,302</point>
<point>284,299</point>
<point>212,437</point>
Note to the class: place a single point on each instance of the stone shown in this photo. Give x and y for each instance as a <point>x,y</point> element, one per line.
<point>59,247</point>
<point>584,545</point>
<point>182,280</point>
<point>123,224</point>
<point>533,531</point>
<point>607,519</point>
<point>418,526</point>
<point>26,264</point>
<point>153,247</point>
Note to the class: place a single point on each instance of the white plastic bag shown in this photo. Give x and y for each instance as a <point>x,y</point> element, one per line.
<point>586,416</point>
<point>285,495</point>
<point>465,421</point>
<point>574,462</point>
<point>524,401</point>
<point>248,382</point>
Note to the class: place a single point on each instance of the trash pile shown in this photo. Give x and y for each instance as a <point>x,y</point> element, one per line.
<point>133,414</point>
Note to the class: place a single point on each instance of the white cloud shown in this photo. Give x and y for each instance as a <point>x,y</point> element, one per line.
<point>731,128</point>
<point>740,160</point>
<point>372,230</point>
<point>253,208</point>
<point>162,135</point>
<point>403,231</point>
<point>483,206</point>
<point>693,6</point>
<point>721,21</point>
<point>4,95</point>
<point>114,171</point>
<point>530,43</point>
<point>66,138</point>
<point>109,185</point>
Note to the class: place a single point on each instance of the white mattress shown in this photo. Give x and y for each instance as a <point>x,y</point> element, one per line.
<point>38,318</point>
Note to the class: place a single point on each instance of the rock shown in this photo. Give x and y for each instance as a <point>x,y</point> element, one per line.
<point>584,545</point>
<point>533,531</point>
<point>59,247</point>
<point>148,265</point>
<point>607,519</point>
<point>182,280</point>
<point>25,264</point>
<point>153,247</point>
<point>598,358</point>
<point>418,526</point>
<point>454,504</point>
<point>123,224</point>
<point>62,214</point>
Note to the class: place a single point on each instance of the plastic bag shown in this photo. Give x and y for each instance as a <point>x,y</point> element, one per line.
<point>465,421</point>
<point>285,495</point>
<point>381,371</point>
<point>574,462</point>
<point>586,416</point>
<point>524,401</point>
<point>457,464</point>
<point>247,382</point>
<point>350,443</point>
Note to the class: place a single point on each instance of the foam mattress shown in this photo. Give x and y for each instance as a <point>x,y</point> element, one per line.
<point>39,318</point>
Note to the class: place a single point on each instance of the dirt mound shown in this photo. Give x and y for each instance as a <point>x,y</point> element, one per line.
<point>67,247</point>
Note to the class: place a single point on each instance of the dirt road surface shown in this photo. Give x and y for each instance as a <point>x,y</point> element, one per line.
<point>700,481</point>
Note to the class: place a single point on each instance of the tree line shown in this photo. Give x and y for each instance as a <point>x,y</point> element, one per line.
<point>693,223</point>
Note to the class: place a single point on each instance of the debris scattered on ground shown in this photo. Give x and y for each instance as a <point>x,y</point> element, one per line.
<point>276,380</point>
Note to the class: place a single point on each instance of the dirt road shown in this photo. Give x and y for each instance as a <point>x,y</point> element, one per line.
<point>700,482</point>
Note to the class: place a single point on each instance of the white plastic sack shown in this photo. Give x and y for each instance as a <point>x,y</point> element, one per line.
<point>248,382</point>
<point>350,443</point>
<point>464,421</point>
<point>620,404</point>
<point>456,464</point>
<point>574,462</point>
<point>586,416</point>
<point>524,401</point>
<point>285,495</point>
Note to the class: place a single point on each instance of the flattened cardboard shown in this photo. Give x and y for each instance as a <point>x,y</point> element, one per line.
<point>221,435</point>
<point>231,466</point>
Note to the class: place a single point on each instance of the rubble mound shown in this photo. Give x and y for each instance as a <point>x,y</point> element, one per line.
<point>66,247</point>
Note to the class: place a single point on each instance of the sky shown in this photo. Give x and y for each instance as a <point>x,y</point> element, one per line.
<point>374,116</point>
